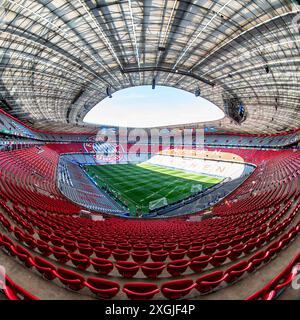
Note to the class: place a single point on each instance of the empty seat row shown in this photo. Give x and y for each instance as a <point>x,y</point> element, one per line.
<point>205,284</point>
<point>279,283</point>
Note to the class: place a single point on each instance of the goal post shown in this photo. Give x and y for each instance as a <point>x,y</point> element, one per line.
<point>155,204</point>
<point>196,188</point>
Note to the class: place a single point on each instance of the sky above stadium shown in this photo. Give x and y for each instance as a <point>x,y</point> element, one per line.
<point>143,107</point>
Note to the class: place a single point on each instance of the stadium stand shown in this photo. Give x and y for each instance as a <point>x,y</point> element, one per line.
<point>196,211</point>
<point>75,185</point>
<point>258,141</point>
<point>42,230</point>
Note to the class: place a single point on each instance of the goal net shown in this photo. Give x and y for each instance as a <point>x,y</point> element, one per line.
<point>155,204</point>
<point>196,188</point>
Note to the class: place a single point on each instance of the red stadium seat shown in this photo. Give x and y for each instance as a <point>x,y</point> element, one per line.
<point>177,267</point>
<point>284,241</point>
<point>69,245</point>
<point>6,224</point>
<point>60,254</point>
<point>121,255</point>
<point>184,245</point>
<point>140,290</point>
<point>124,246</point>
<point>198,264</point>
<point>236,251</point>
<point>210,281</point>
<point>169,246</point>
<point>155,247</point>
<point>219,257</point>
<point>23,255</point>
<point>80,261</point>
<point>250,245</point>
<point>177,254</point>
<point>29,241</point>
<point>8,245</point>
<point>195,251</point>
<point>43,247</point>
<point>110,245</point>
<point>95,243</point>
<point>70,279</point>
<point>56,241</point>
<point>210,248</point>
<point>140,256</point>
<point>12,291</point>
<point>85,249</point>
<point>44,235</point>
<point>177,289</point>
<point>140,247</point>
<point>127,269</point>
<point>19,234</point>
<point>103,288</point>
<point>237,270</point>
<point>261,294</point>
<point>225,244</point>
<point>45,268</point>
<point>159,255</point>
<point>102,252</point>
<point>152,269</point>
<point>284,278</point>
<point>258,259</point>
<point>102,266</point>
<point>274,248</point>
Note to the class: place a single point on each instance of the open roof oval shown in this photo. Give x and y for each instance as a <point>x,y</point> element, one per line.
<point>142,107</point>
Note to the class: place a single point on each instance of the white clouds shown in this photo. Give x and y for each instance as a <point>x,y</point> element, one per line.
<point>143,107</point>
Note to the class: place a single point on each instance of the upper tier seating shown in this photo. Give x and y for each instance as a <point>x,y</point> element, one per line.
<point>252,141</point>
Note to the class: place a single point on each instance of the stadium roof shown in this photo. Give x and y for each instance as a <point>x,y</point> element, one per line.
<point>57,58</point>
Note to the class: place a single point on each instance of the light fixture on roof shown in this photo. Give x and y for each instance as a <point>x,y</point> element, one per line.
<point>153,83</point>
<point>197,92</point>
<point>108,92</point>
<point>267,68</point>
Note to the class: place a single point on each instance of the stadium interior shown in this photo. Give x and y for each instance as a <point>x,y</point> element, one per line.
<point>197,211</point>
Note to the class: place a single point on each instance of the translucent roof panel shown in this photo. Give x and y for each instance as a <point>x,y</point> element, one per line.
<point>57,58</point>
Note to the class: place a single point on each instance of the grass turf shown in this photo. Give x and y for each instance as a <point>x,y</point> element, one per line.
<point>138,185</point>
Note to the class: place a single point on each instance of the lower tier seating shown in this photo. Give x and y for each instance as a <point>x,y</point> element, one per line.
<point>143,259</point>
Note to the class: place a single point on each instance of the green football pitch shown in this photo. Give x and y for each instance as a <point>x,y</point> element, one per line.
<point>143,186</point>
